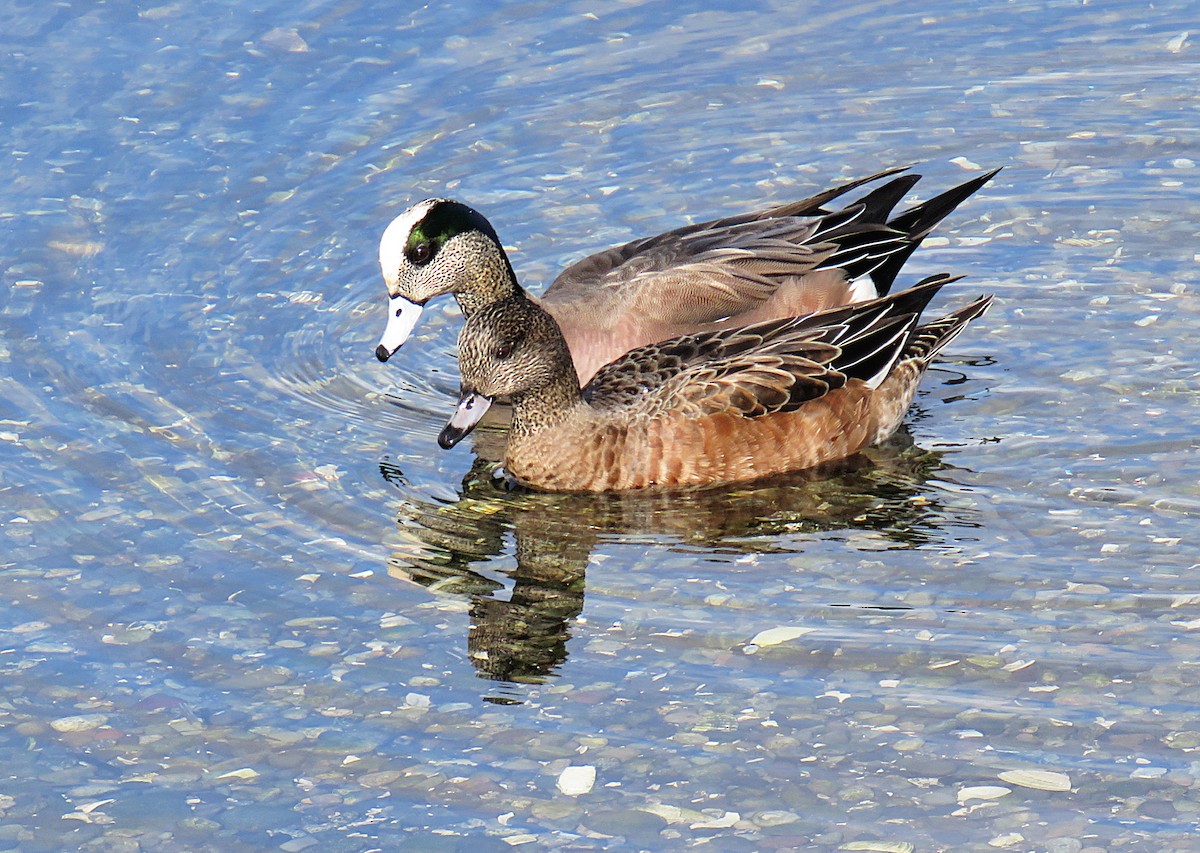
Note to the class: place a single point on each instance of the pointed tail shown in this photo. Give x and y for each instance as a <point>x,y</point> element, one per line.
<point>927,340</point>
<point>918,221</point>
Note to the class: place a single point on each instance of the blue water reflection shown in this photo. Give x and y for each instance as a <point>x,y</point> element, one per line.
<point>248,603</point>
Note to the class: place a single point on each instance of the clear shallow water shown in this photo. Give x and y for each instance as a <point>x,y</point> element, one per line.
<point>247,603</point>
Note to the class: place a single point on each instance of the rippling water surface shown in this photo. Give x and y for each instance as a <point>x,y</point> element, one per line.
<point>248,604</point>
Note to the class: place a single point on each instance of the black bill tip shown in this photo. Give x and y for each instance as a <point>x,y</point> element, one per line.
<point>451,436</point>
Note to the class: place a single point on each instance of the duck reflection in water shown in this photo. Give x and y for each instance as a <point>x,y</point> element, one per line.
<point>525,592</point>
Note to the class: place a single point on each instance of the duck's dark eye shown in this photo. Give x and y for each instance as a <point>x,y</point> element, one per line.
<point>504,347</point>
<point>420,253</point>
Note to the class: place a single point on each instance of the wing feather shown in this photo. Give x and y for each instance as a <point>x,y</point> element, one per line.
<point>712,270</point>
<point>767,367</point>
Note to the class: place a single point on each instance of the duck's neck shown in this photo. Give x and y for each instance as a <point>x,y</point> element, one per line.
<point>551,403</point>
<point>547,407</point>
<point>491,277</point>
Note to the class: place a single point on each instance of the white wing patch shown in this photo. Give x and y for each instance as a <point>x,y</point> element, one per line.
<point>862,289</point>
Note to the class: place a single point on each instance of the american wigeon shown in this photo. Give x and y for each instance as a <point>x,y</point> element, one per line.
<point>783,262</point>
<point>702,409</point>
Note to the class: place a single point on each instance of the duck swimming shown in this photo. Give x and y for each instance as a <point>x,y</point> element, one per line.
<point>701,409</point>
<point>727,273</point>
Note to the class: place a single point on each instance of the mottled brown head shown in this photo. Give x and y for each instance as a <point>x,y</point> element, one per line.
<point>514,349</point>
<point>511,348</point>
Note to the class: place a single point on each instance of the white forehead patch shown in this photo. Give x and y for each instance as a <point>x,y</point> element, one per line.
<point>395,237</point>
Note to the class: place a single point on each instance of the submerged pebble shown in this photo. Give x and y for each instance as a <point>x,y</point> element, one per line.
<point>577,780</point>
